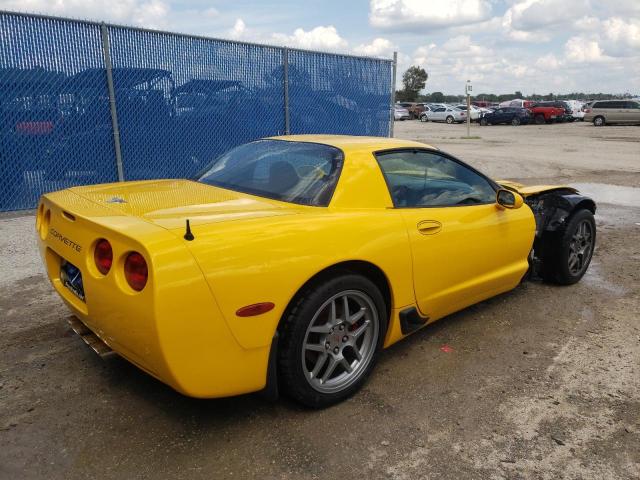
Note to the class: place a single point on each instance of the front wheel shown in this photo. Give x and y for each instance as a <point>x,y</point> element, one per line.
<point>449,119</point>
<point>331,339</point>
<point>539,119</point>
<point>424,118</point>
<point>572,254</point>
<point>484,122</point>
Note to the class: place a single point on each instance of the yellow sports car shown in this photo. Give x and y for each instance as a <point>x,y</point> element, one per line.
<point>290,262</point>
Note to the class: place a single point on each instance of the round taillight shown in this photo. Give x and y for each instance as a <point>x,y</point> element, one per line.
<point>103,256</point>
<point>135,271</point>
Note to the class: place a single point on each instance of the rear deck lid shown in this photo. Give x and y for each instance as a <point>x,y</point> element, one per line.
<point>167,203</point>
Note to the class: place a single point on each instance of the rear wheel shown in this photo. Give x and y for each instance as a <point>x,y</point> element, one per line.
<point>571,255</point>
<point>331,339</point>
<point>515,122</point>
<point>449,119</point>
<point>539,119</point>
<point>598,121</point>
<point>484,122</point>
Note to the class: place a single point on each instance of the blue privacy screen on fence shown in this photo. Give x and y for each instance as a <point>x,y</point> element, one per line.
<point>177,102</point>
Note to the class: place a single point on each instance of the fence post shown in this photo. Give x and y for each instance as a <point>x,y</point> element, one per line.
<point>285,86</point>
<point>112,100</point>
<point>393,91</point>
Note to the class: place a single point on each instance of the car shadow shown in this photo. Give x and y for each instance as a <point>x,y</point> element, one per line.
<point>222,411</point>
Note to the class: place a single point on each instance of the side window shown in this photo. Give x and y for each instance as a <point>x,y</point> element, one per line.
<point>417,178</point>
<point>441,109</point>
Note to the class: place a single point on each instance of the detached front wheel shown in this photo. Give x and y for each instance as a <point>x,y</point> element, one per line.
<point>574,249</point>
<point>331,339</point>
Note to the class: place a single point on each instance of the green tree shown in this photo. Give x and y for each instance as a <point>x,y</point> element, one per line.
<point>413,80</point>
<point>519,94</point>
<point>437,97</point>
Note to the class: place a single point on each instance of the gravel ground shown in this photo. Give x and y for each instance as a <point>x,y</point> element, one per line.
<point>542,382</point>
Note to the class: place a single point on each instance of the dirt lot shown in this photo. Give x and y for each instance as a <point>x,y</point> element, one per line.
<point>542,382</point>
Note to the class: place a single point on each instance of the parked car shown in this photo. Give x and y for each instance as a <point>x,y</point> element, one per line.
<point>474,112</point>
<point>543,113</point>
<point>180,277</point>
<point>445,114</point>
<point>576,109</point>
<point>512,115</point>
<point>400,113</point>
<point>414,108</point>
<point>567,115</point>
<point>613,111</point>
<point>517,103</point>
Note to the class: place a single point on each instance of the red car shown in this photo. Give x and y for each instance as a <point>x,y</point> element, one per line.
<point>545,113</point>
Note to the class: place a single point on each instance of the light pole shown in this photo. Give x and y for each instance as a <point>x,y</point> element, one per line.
<point>468,92</point>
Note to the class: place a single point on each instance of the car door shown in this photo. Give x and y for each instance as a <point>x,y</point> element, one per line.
<point>632,112</point>
<point>438,114</point>
<point>498,116</point>
<point>465,248</point>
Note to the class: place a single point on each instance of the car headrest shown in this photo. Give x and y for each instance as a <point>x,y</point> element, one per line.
<point>282,176</point>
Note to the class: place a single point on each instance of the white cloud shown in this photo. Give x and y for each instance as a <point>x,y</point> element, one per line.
<point>421,14</point>
<point>548,62</point>
<point>145,13</point>
<point>238,30</point>
<point>621,38</point>
<point>319,38</point>
<point>379,47</point>
<point>583,50</point>
<point>531,15</point>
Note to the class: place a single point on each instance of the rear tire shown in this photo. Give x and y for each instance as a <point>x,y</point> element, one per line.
<point>572,250</point>
<point>449,119</point>
<point>598,121</point>
<point>539,119</point>
<point>484,122</point>
<point>317,336</point>
<point>515,122</point>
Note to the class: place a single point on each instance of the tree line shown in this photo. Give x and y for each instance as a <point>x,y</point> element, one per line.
<point>415,79</point>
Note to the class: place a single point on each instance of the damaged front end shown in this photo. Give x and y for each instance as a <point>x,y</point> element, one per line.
<point>552,208</point>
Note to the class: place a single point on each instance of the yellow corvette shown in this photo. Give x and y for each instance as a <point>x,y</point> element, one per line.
<point>290,262</point>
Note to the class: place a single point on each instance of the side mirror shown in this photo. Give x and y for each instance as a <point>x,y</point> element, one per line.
<point>508,199</point>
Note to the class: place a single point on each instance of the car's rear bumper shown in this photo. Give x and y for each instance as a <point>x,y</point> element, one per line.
<point>173,329</point>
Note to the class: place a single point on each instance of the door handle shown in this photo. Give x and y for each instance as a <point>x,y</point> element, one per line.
<point>429,227</point>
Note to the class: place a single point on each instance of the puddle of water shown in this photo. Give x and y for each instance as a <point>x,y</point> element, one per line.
<point>613,194</point>
<point>595,279</point>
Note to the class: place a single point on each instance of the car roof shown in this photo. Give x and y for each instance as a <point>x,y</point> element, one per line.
<point>353,143</point>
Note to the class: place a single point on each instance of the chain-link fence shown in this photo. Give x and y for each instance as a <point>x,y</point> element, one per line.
<point>85,102</point>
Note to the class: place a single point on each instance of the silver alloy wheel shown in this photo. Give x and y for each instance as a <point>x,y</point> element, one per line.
<point>340,341</point>
<point>598,121</point>
<point>580,248</point>
<point>449,120</point>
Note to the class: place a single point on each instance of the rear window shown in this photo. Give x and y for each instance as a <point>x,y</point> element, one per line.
<point>296,172</point>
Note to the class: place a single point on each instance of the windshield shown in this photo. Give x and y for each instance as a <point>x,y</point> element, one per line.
<point>295,172</point>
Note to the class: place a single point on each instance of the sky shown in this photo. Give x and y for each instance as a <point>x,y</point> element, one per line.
<point>502,46</point>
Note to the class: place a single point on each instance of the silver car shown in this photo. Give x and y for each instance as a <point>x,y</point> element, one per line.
<point>445,114</point>
<point>400,113</point>
<point>613,111</point>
